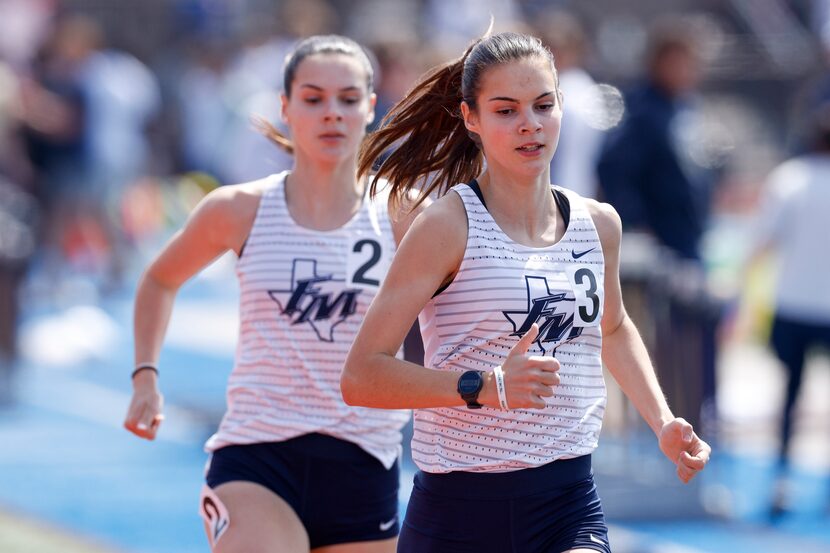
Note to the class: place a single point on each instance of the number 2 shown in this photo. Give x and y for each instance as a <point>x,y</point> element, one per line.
<point>360,274</point>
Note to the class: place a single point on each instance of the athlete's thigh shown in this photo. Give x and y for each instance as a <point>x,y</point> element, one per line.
<point>378,546</point>
<point>260,521</point>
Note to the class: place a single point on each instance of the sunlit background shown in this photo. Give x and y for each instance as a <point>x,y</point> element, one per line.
<point>117,116</point>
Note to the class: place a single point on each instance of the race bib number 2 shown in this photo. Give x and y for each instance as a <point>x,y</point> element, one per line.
<point>367,262</point>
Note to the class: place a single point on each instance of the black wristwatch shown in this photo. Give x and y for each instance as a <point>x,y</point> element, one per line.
<point>470,384</point>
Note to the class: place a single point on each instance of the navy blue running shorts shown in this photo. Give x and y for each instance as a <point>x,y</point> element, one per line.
<point>549,509</point>
<point>341,493</point>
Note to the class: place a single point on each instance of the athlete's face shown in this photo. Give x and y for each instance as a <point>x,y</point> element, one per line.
<point>518,116</point>
<point>329,108</point>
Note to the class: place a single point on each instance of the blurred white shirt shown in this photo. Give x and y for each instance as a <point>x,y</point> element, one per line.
<point>795,220</point>
<point>575,161</point>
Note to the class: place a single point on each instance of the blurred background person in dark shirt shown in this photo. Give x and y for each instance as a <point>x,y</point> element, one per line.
<point>645,170</point>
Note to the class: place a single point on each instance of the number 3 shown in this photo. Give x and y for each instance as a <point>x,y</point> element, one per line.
<point>587,295</point>
<point>591,293</point>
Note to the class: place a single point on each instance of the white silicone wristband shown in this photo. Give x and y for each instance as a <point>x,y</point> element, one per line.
<point>498,372</point>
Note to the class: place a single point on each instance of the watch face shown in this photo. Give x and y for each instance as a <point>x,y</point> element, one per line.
<point>469,383</point>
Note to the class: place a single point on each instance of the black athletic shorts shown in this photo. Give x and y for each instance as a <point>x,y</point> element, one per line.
<point>549,509</point>
<point>341,493</point>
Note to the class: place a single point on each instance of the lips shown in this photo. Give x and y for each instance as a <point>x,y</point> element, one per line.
<point>332,136</point>
<point>531,147</point>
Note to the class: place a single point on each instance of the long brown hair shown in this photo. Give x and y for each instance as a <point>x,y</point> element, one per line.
<point>318,44</point>
<point>432,148</point>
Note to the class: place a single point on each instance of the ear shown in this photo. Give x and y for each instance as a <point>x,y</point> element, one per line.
<point>470,117</point>
<point>370,116</point>
<point>284,108</point>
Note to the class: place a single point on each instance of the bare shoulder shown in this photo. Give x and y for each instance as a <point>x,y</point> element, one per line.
<point>235,198</point>
<point>607,222</point>
<point>434,246</point>
<point>444,216</point>
<point>227,213</point>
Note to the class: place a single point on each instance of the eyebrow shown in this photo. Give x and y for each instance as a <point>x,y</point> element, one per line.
<point>506,99</point>
<point>320,89</point>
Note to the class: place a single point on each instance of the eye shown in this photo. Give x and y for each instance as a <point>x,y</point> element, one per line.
<point>311,100</point>
<point>351,100</point>
<point>504,111</point>
<point>545,107</point>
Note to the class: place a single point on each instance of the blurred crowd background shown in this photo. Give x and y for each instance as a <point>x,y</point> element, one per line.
<point>116,116</point>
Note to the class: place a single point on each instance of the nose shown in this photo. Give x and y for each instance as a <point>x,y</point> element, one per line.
<point>529,124</point>
<point>333,112</point>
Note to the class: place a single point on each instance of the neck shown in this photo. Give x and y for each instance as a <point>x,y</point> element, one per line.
<point>515,192</point>
<point>325,177</point>
<point>323,196</point>
<point>523,206</point>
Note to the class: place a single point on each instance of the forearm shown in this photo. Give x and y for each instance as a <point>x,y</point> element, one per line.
<point>153,306</point>
<point>625,355</point>
<point>386,382</point>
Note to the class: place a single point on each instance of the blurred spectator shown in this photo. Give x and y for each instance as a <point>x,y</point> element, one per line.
<point>792,224</point>
<point>23,24</point>
<point>121,97</point>
<point>17,225</point>
<point>202,110</point>
<point>53,113</point>
<point>574,165</point>
<point>450,25</point>
<point>88,111</point>
<point>645,169</point>
<point>400,65</point>
<point>251,87</point>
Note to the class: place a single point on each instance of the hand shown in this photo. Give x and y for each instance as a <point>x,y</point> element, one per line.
<point>684,448</point>
<point>144,414</point>
<point>528,379</point>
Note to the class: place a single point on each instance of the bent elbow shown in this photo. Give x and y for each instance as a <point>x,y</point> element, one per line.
<point>349,388</point>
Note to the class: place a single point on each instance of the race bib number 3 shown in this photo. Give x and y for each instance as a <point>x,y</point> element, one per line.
<point>588,293</point>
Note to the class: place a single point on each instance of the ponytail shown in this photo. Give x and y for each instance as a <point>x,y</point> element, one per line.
<point>272,133</point>
<point>433,149</point>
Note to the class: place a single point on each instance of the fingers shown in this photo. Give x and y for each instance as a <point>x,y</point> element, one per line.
<point>689,465</point>
<point>143,420</point>
<point>693,463</point>
<point>537,402</point>
<point>549,379</point>
<point>550,364</point>
<point>136,422</point>
<point>525,341</point>
<point>543,391</point>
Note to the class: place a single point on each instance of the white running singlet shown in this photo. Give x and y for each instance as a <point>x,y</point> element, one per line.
<point>304,294</point>
<point>500,290</point>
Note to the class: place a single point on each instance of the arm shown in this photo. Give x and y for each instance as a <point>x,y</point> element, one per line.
<point>428,256</point>
<point>625,355</point>
<point>219,223</point>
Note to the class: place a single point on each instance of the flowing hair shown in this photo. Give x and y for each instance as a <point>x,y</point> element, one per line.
<point>429,148</point>
<point>318,44</point>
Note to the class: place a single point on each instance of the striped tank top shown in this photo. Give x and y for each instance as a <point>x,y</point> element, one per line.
<point>500,290</point>
<point>304,294</point>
